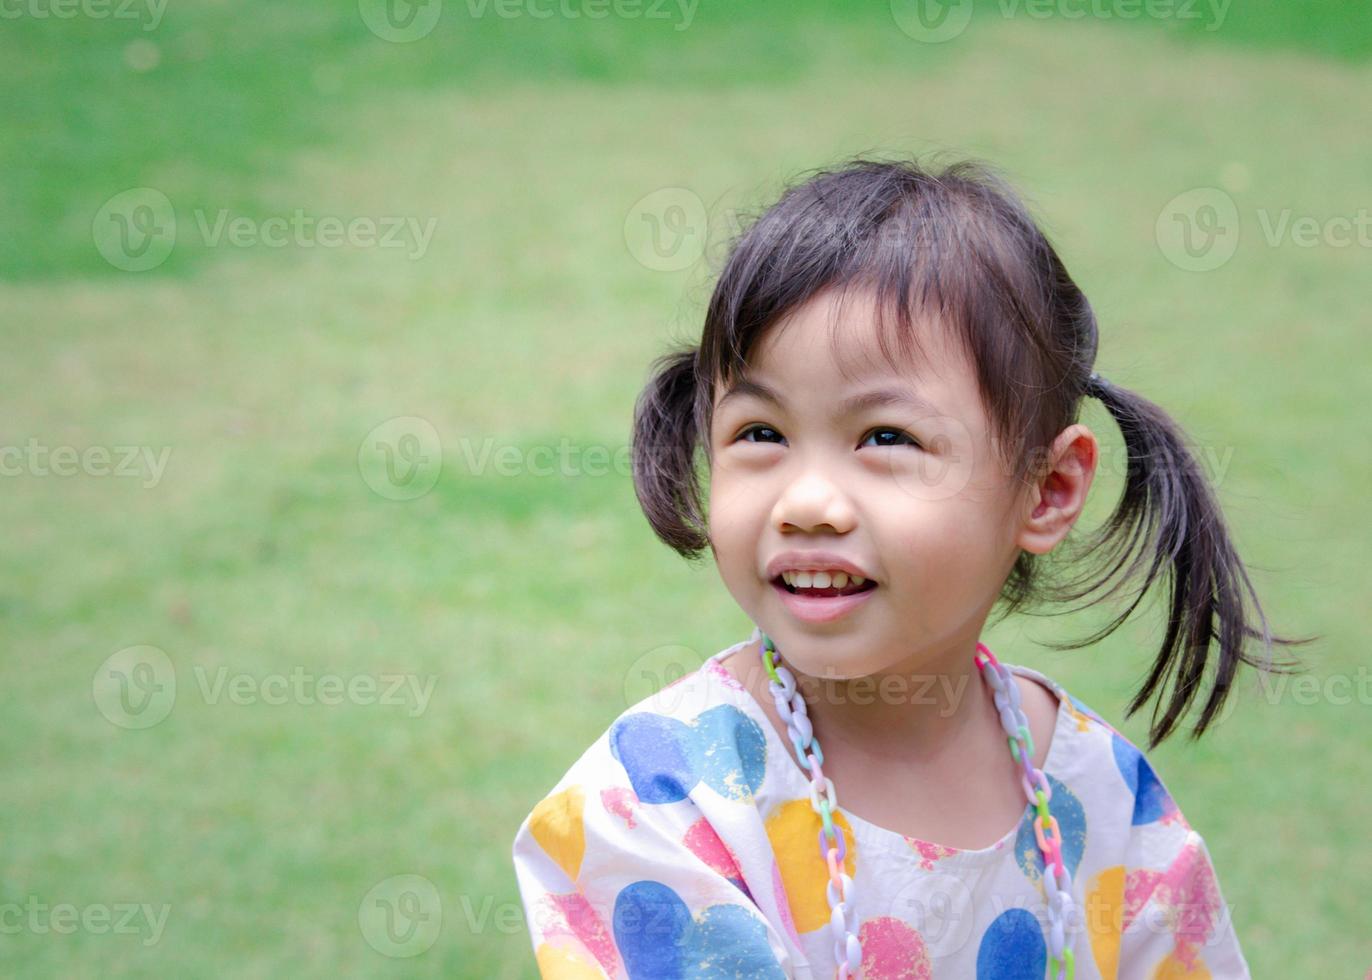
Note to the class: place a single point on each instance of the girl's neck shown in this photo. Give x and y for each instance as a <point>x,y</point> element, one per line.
<point>927,716</point>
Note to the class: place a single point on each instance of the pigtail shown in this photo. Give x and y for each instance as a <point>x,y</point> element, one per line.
<point>1169,518</point>
<point>667,429</point>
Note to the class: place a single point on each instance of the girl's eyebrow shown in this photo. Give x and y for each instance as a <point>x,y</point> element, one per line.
<point>875,398</point>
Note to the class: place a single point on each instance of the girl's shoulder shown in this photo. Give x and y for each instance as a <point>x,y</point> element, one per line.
<point>1099,760</point>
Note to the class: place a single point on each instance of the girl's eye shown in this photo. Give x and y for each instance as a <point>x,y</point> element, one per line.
<point>897,433</point>
<point>759,429</point>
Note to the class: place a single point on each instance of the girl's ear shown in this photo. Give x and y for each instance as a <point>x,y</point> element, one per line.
<point>1058,493</point>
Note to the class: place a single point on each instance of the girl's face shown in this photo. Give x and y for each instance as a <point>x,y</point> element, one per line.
<point>904,487</point>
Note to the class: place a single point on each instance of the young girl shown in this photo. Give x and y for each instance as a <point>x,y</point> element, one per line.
<point>886,393</point>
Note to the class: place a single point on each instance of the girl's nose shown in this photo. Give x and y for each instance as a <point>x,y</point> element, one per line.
<point>811,502</point>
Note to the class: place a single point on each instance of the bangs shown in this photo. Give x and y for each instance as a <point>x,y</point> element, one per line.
<point>938,252</point>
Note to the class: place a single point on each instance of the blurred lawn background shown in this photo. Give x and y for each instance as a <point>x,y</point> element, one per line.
<point>274,543</point>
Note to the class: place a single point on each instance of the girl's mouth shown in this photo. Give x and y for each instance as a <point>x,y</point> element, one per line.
<point>822,605</point>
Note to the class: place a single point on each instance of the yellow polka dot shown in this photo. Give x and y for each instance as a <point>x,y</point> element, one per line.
<point>793,828</point>
<point>1172,968</point>
<point>1082,719</point>
<point>556,825</point>
<point>1104,915</point>
<point>559,963</point>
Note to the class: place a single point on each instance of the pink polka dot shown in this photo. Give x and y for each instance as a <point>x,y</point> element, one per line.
<point>572,915</point>
<point>621,801</point>
<point>783,904</point>
<point>704,843</point>
<point>721,673</point>
<point>892,950</point>
<point>1188,894</point>
<point>929,852</point>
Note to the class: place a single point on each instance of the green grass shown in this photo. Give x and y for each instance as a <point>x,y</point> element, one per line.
<point>527,598</point>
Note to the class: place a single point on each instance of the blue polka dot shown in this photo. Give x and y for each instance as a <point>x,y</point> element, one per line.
<point>1013,948</point>
<point>659,940</point>
<point>1067,810</point>
<point>666,758</point>
<point>730,751</point>
<point>731,942</point>
<point>652,928</point>
<point>656,752</point>
<point>1151,801</point>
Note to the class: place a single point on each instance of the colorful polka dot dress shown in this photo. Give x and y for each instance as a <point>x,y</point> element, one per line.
<point>682,844</point>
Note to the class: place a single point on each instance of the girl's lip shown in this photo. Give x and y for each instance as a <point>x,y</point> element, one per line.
<point>815,609</point>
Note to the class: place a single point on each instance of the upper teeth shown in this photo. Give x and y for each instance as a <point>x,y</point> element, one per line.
<point>821,580</point>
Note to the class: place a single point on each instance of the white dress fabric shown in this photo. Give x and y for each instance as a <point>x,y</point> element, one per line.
<point>682,843</point>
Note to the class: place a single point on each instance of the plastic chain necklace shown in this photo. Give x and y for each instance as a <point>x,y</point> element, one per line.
<point>833,848</point>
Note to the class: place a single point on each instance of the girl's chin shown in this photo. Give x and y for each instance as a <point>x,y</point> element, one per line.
<point>827,658</point>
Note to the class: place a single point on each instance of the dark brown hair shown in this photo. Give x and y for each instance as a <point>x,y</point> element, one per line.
<point>958,245</point>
